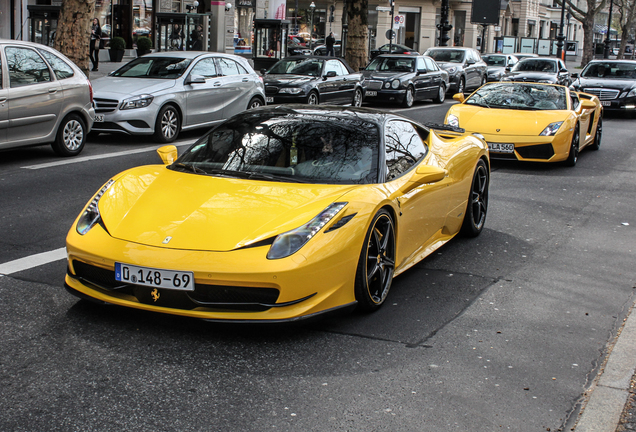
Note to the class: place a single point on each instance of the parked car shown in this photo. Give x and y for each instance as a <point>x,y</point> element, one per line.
<point>279,214</point>
<point>395,49</point>
<point>466,70</point>
<point>161,94</point>
<point>44,99</point>
<point>546,70</point>
<point>497,64</point>
<point>313,80</point>
<point>321,50</point>
<point>612,81</point>
<point>521,56</point>
<point>404,79</point>
<point>531,121</point>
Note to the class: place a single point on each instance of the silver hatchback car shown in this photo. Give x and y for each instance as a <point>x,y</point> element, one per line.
<point>161,94</point>
<point>44,98</point>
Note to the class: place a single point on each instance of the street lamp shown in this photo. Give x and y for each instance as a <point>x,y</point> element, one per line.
<point>606,50</point>
<point>312,6</point>
<point>560,37</point>
<point>193,6</point>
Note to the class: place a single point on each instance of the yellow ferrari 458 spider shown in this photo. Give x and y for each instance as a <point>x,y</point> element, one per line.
<point>531,121</point>
<point>279,214</point>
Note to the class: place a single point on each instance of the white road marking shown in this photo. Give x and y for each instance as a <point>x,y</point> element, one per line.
<point>29,262</point>
<point>101,156</point>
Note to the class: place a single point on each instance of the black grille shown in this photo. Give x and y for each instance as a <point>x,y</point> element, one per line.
<point>138,124</point>
<point>213,296</point>
<point>110,126</point>
<point>270,90</point>
<point>603,93</point>
<point>105,105</point>
<point>540,151</point>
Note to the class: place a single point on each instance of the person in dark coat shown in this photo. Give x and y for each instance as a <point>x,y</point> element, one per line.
<point>96,37</point>
<point>329,42</point>
<point>196,38</point>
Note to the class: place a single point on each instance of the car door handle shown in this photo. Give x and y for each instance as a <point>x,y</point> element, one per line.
<point>3,100</point>
<point>52,90</point>
<point>217,84</point>
<point>245,79</point>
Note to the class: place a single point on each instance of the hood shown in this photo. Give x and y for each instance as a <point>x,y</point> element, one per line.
<point>518,122</point>
<point>385,75</point>
<point>109,87</point>
<point>147,204</point>
<point>495,69</point>
<point>614,84</point>
<point>282,79</point>
<point>531,76</point>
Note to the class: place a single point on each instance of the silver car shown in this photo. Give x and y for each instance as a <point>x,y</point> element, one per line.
<point>164,93</point>
<point>44,98</point>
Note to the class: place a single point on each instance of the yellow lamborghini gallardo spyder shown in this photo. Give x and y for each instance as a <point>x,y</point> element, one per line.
<point>279,214</point>
<point>531,121</point>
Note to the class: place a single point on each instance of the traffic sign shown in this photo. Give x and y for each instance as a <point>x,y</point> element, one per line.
<point>383,8</point>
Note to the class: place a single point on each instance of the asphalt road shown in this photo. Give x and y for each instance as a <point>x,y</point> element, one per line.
<point>501,332</point>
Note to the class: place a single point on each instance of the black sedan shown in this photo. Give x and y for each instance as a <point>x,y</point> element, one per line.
<point>395,49</point>
<point>612,81</point>
<point>497,64</point>
<point>313,80</point>
<point>404,79</point>
<point>539,69</point>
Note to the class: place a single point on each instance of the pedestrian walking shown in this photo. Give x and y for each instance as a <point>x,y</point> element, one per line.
<point>329,42</point>
<point>96,38</point>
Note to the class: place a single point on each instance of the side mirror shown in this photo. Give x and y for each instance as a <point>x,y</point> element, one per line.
<point>424,174</point>
<point>459,97</point>
<point>195,79</point>
<point>361,69</point>
<point>330,74</point>
<point>168,154</point>
<point>563,71</point>
<point>587,104</point>
<point>470,62</point>
<point>574,76</point>
<point>421,71</point>
<point>263,71</point>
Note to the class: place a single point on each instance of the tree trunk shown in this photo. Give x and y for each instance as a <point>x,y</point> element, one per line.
<point>73,35</point>
<point>357,38</point>
<point>588,40</point>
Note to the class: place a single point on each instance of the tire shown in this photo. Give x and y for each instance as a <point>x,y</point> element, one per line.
<point>461,86</point>
<point>313,98</point>
<point>256,102</point>
<point>409,97</point>
<point>441,94</point>
<point>168,124</point>
<point>597,137</point>
<point>372,285</point>
<point>357,98</point>
<point>71,136</point>
<point>573,155</point>
<point>477,207</point>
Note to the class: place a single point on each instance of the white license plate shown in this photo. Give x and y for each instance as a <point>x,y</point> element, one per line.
<point>606,103</point>
<point>156,278</point>
<point>372,93</point>
<point>501,147</point>
<point>99,118</point>
<point>269,99</point>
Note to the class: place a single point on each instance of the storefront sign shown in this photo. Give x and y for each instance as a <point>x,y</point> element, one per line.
<point>245,3</point>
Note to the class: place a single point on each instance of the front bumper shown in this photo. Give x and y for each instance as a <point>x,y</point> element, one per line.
<point>386,95</point>
<point>279,98</point>
<point>533,148</point>
<point>627,104</point>
<point>140,121</point>
<point>238,285</point>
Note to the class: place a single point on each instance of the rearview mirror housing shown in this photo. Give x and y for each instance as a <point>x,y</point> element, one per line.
<point>459,97</point>
<point>168,154</point>
<point>587,104</point>
<point>195,79</point>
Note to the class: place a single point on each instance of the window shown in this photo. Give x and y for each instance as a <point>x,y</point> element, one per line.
<point>430,65</point>
<point>575,101</point>
<point>61,69</point>
<point>334,65</point>
<point>26,67</point>
<point>228,67</point>
<point>420,63</point>
<point>403,146</point>
<point>205,68</point>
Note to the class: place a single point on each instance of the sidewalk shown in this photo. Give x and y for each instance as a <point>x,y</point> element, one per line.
<point>106,67</point>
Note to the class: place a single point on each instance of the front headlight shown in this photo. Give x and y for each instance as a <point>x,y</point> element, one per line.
<point>289,243</point>
<point>395,84</point>
<point>632,93</point>
<point>290,90</point>
<point>551,129</point>
<point>136,102</point>
<point>91,215</point>
<point>452,70</point>
<point>452,120</point>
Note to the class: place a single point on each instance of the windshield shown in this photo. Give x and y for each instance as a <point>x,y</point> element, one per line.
<point>492,60</point>
<point>154,67</point>
<point>519,96</point>
<point>535,65</point>
<point>610,70</point>
<point>288,148</point>
<point>392,64</point>
<point>448,56</point>
<point>310,66</point>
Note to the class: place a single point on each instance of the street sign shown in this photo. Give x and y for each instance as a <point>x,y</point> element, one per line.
<point>383,8</point>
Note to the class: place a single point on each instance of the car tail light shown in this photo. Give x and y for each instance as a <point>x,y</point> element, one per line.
<point>90,88</point>
<point>407,52</point>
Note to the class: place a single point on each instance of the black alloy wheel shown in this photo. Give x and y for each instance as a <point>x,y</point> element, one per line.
<point>255,103</point>
<point>357,98</point>
<point>313,99</point>
<point>168,124</point>
<point>377,263</point>
<point>477,207</point>
<point>598,135</point>
<point>573,155</point>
